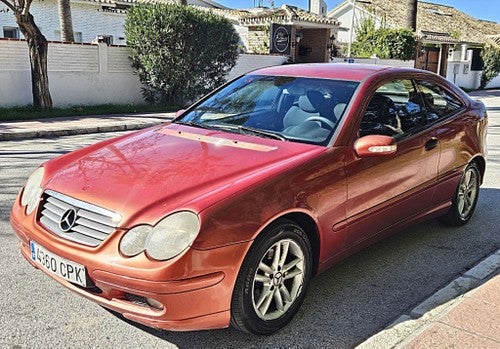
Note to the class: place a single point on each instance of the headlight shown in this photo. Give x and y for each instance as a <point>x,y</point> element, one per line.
<point>133,241</point>
<point>32,190</point>
<point>165,240</point>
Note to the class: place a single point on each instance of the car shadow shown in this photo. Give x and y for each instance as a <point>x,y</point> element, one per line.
<point>368,291</point>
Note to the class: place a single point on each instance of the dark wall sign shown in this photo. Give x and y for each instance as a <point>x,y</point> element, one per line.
<point>280,38</point>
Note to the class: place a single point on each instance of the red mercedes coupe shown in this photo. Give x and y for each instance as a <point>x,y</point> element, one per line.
<point>224,215</point>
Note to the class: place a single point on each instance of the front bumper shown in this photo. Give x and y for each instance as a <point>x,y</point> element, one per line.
<point>199,298</point>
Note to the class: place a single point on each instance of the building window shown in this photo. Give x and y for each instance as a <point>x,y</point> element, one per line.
<point>107,39</point>
<point>11,32</point>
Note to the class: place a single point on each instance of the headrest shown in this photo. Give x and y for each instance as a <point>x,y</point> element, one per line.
<point>312,101</point>
<point>339,109</point>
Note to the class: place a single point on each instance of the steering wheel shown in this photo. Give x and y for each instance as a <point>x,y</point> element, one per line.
<point>324,121</point>
<point>374,128</point>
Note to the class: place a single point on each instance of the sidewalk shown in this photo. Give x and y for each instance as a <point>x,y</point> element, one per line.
<point>65,126</point>
<point>465,314</point>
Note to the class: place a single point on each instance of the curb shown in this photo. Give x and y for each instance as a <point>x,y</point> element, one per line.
<point>410,325</point>
<point>68,126</point>
<point>75,131</point>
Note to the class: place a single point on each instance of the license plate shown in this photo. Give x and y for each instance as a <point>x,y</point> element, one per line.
<point>68,270</point>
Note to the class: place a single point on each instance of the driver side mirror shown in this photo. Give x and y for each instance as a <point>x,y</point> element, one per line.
<point>375,145</point>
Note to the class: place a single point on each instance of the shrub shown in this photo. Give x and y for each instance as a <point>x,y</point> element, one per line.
<point>491,57</point>
<point>179,52</point>
<point>383,42</point>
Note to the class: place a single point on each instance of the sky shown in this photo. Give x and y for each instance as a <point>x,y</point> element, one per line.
<point>482,9</point>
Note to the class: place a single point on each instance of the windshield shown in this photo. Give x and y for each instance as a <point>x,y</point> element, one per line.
<point>287,108</point>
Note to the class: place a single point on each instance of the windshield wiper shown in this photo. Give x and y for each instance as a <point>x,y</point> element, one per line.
<point>259,132</point>
<point>237,128</point>
<point>193,124</point>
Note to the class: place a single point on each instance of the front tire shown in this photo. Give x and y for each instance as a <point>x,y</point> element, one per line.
<point>273,280</point>
<point>465,199</point>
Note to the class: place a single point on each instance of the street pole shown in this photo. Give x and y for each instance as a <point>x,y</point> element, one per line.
<point>353,3</point>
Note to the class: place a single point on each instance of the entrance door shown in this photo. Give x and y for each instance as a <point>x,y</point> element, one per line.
<point>428,59</point>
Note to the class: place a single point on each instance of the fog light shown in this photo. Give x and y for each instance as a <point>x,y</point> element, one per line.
<point>153,303</point>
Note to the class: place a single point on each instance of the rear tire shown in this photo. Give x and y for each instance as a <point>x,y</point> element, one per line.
<point>465,199</point>
<point>273,279</point>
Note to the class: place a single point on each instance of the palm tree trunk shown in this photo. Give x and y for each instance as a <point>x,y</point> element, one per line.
<point>65,21</point>
<point>38,50</point>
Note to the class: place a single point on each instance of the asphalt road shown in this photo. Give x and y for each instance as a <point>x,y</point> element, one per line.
<point>345,305</point>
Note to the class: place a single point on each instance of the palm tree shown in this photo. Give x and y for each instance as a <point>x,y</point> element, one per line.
<point>65,21</point>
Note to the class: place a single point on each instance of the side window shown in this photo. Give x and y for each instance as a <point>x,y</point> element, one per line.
<point>395,109</point>
<point>438,103</point>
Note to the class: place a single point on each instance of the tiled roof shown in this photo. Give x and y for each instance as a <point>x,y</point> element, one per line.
<point>434,18</point>
<point>494,39</point>
<point>285,13</point>
<point>132,2</point>
<point>232,14</point>
<point>437,37</point>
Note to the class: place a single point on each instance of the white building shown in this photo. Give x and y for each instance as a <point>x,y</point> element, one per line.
<point>91,19</point>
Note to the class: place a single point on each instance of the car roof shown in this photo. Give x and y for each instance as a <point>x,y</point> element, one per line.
<point>338,71</point>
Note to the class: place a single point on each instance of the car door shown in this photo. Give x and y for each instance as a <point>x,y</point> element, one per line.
<point>385,190</point>
<point>455,130</point>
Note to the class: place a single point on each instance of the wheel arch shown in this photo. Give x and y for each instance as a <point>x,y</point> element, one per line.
<point>307,223</point>
<point>481,164</point>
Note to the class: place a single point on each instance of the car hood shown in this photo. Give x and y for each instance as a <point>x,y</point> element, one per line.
<point>151,173</point>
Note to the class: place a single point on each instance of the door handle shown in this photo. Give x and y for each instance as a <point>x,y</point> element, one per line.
<point>431,143</point>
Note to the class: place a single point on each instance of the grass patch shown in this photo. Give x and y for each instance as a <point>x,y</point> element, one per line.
<point>29,112</point>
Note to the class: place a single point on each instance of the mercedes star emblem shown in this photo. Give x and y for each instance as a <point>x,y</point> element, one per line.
<point>68,220</point>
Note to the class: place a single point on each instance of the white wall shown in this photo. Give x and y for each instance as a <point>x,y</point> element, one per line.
<point>87,74</point>
<point>78,74</point>
<point>494,83</point>
<point>249,62</point>
<point>389,62</point>
<point>460,74</point>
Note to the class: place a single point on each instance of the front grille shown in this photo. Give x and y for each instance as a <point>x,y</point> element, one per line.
<point>90,226</point>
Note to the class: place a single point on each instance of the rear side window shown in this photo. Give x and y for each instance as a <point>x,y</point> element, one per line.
<point>438,103</point>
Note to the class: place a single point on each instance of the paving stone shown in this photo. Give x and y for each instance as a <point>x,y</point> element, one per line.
<point>443,336</point>
<point>475,316</point>
<point>489,292</point>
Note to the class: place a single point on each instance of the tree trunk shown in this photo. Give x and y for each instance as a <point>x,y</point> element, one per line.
<point>65,22</point>
<point>38,50</point>
<point>411,15</point>
<point>180,2</point>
